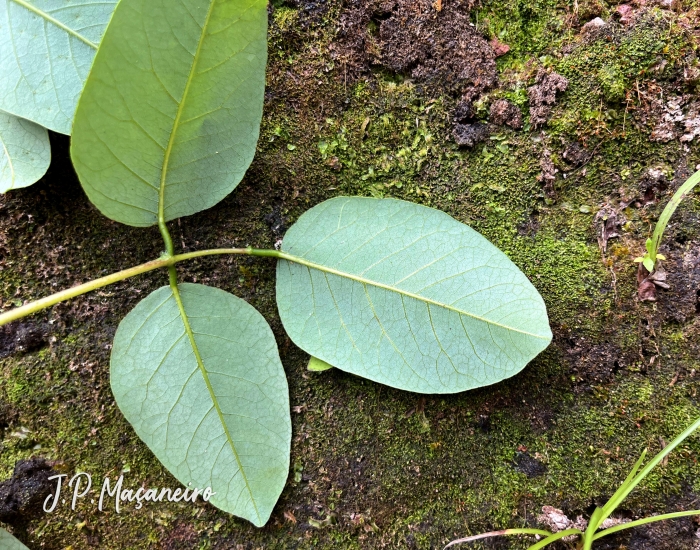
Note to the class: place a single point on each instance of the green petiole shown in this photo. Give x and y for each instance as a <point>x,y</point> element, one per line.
<point>164,261</point>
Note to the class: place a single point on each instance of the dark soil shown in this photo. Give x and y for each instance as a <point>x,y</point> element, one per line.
<point>23,337</point>
<point>435,44</point>
<point>503,112</point>
<point>468,135</point>
<point>543,96</point>
<point>22,496</point>
<point>528,464</point>
<point>576,155</point>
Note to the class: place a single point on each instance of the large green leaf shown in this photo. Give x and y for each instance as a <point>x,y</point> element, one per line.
<point>204,388</point>
<point>169,118</point>
<point>25,152</point>
<point>46,49</point>
<point>8,542</point>
<point>407,296</point>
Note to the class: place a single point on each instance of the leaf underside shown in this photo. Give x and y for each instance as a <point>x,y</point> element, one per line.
<point>223,423</point>
<point>170,115</point>
<point>8,542</point>
<point>25,152</point>
<point>407,296</point>
<point>46,49</point>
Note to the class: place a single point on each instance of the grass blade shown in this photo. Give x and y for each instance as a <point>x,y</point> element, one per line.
<point>620,495</point>
<point>555,537</point>
<point>644,521</point>
<point>626,483</point>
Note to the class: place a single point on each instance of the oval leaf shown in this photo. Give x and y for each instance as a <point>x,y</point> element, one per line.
<point>25,152</point>
<point>8,542</point>
<point>407,296</point>
<point>215,413</point>
<point>46,49</point>
<point>170,115</point>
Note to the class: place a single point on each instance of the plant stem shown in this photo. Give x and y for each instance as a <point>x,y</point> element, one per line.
<point>69,293</point>
<point>166,261</point>
<point>678,196</point>
<point>593,524</point>
<point>169,249</point>
<point>500,533</point>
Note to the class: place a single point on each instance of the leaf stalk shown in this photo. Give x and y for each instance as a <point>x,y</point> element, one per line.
<point>167,260</point>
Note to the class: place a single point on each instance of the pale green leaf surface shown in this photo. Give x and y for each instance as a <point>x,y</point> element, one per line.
<point>316,365</point>
<point>46,49</point>
<point>233,433</point>
<point>407,296</point>
<point>8,542</point>
<point>25,152</point>
<point>170,114</point>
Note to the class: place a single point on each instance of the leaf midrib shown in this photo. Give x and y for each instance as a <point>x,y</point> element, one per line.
<point>26,5</point>
<point>178,115</point>
<point>174,287</point>
<point>205,375</point>
<point>365,281</point>
<point>9,161</point>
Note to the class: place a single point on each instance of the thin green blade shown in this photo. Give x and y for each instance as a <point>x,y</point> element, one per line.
<point>223,423</point>
<point>316,365</point>
<point>169,118</point>
<point>407,296</point>
<point>46,49</point>
<point>25,152</point>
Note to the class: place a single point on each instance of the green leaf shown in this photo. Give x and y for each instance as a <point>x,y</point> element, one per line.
<point>170,115</point>
<point>407,296</point>
<point>649,246</point>
<point>25,152</point>
<point>215,413</point>
<point>648,263</point>
<point>316,365</point>
<point>46,49</point>
<point>8,542</point>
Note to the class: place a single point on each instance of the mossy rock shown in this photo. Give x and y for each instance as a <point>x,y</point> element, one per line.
<point>374,467</point>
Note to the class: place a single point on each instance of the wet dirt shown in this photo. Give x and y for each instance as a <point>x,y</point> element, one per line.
<point>468,135</point>
<point>23,338</point>
<point>22,496</point>
<point>543,96</point>
<point>505,113</point>
<point>527,464</point>
<point>434,43</point>
<point>181,537</point>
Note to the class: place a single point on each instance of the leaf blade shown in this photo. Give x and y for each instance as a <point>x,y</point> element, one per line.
<point>316,365</point>
<point>46,49</point>
<point>405,308</point>
<point>8,542</point>
<point>169,118</point>
<point>238,410</point>
<point>25,152</point>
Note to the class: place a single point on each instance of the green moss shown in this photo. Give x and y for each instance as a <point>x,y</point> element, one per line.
<point>285,18</point>
<point>615,63</point>
<point>530,28</point>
